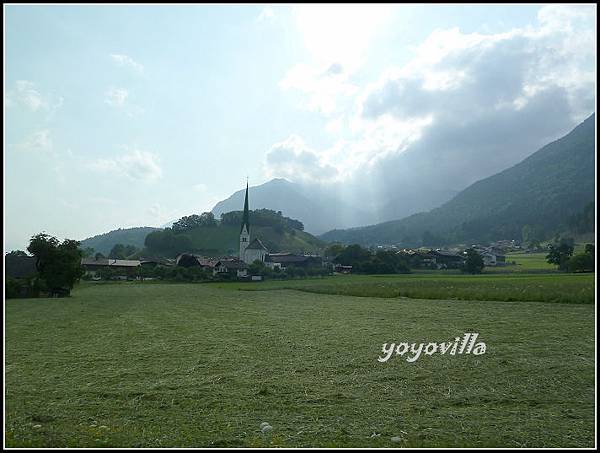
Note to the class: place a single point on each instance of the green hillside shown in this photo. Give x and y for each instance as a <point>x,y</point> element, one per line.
<point>222,238</point>
<point>103,243</point>
<point>543,191</point>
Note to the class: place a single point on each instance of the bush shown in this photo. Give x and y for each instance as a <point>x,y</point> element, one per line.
<point>582,262</point>
<point>560,253</point>
<point>473,263</point>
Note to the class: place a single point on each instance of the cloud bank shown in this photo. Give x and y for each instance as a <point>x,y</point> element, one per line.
<point>467,105</point>
<point>134,164</point>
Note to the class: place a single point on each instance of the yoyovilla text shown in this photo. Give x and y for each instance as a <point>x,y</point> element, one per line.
<point>468,345</point>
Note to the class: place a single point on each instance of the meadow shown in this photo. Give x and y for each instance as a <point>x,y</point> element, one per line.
<point>202,365</point>
<point>554,287</point>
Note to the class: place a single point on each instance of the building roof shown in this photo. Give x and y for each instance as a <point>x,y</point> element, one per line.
<point>233,263</point>
<point>447,253</point>
<point>288,258</point>
<point>123,263</point>
<point>153,261</point>
<point>207,262</point>
<point>94,262</point>
<point>109,262</point>
<point>256,244</point>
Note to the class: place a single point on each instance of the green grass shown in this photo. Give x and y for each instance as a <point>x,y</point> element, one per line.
<point>199,365</point>
<point>530,261</point>
<point>564,288</point>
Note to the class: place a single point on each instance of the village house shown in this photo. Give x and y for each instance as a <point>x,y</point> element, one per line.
<point>492,256</point>
<point>341,269</point>
<point>215,265</point>
<point>125,268</point>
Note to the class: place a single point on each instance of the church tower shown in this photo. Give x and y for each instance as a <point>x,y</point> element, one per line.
<point>245,230</point>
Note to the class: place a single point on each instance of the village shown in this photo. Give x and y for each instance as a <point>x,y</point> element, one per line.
<point>255,260</point>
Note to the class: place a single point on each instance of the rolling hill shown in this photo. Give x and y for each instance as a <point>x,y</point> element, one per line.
<point>103,243</point>
<point>277,233</point>
<point>543,191</point>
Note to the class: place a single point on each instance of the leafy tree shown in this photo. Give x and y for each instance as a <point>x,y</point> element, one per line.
<point>258,268</point>
<point>263,217</point>
<point>560,253</point>
<point>583,262</point>
<point>87,252</point>
<point>17,253</point>
<point>333,251</point>
<point>364,261</point>
<point>186,223</point>
<point>168,242</point>
<point>58,263</point>
<point>121,252</point>
<point>353,255</point>
<point>473,262</point>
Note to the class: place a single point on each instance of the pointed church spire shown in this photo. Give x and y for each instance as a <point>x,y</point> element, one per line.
<point>246,217</point>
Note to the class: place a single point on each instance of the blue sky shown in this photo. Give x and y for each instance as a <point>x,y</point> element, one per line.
<point>137,115</point>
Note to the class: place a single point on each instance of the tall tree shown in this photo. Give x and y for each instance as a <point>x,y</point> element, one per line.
<point>58,263</point>
<point>473,263</point>
<point>560,253</point>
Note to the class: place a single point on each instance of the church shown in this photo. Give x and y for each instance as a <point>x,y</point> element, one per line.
<point>250,251</point>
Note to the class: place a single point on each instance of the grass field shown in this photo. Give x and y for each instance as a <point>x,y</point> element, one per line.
<point>530,262</point>
<point>202,365</point>
<point>556,287</point>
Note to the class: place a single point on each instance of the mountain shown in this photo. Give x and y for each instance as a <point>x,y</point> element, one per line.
<point>103,243</point>
<point>543,191</point>
<point>316,207</point>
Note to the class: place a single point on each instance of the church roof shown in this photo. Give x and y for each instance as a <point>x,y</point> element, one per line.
<point>256,244</point>
<point>246,216</point>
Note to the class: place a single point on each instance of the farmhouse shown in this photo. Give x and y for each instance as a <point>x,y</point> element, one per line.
<point>126,268</point>
<point>216,265</point>
<point>446,259</point>
<point>491,255</point>
<point>341,269</point>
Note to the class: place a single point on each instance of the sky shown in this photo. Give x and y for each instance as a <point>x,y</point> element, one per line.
<point>122,116</point>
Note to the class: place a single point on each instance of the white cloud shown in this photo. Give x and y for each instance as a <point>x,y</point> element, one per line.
<point>126,61</point>
<point>337,39</point>
<point>294,160</point>
<point>266,14</point>
<point>38,141</point>
<point>26,94</point>
<point>200,187</point>
<point>134,164</point>
<point>116,97</point>
<point>465,106</point>
<point>339,33</point>
<point>323,86</point>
